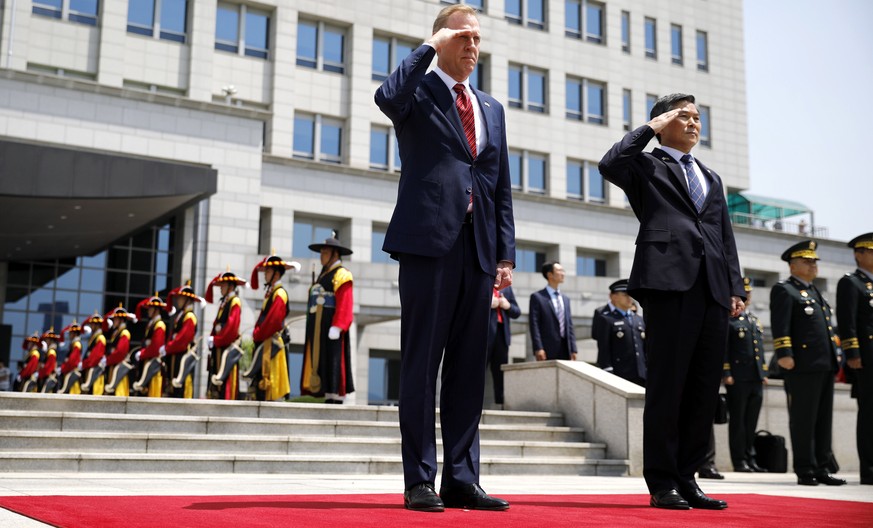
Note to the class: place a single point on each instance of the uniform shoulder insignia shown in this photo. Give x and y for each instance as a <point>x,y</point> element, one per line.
<point>125,333</point>
<point>341,277</point>
<point>161,324</point>
<point>235,302</point>
<point>190,316</point>
<point>282,294</point>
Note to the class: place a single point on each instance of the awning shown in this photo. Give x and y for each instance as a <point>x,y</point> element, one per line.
<point>764,207</point>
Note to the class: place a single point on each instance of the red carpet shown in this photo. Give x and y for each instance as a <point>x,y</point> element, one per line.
<point>317,511</point>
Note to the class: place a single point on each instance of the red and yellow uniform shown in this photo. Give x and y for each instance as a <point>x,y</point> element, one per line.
<point>151,381</point>
<point>31,345</point>
<point>225,353</point>
<point>117,348</point>
<point>70,374</point>
<point>48,380</point>
<point>92,365</point>
<point>184,330</point>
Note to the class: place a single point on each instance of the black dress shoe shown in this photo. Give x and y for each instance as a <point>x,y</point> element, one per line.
<point>471,497</point>
<point>807,480</point>
<point>830,480</point>
<point>669,500</point>
<point>422,497</point>
<point>755,467</point>
<point>697,499</point>
<point>709,473</point>
<point>743,467</point>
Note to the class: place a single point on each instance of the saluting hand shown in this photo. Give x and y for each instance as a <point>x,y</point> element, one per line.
<point>438,39</point>
<point>660,122</point>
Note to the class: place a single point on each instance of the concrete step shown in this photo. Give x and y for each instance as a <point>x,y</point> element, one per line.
<point>122,462</point>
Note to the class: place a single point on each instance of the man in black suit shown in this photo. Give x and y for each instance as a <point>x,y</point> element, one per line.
<point>549,318</point>
<point>804,342</point>
<point>745,375</point>
<point>621,336</point>
<point>454,235</point>
<point>503,308</point>
<point>855,314</point>
<point>686,275</point>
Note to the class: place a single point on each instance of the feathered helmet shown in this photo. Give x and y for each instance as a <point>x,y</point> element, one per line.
<point>228,277</point>
<point>73,327</point>
<point>183,291</point>
<point>31,341</point>
<point>272,262</point>
<point>50,334</point>
<point>151,301</point>
<point>94,319</point>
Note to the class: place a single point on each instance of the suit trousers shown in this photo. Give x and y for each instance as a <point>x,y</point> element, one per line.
<point>445,305</point>
<point>864,429</point>
<point>498,355</point>
<point>687,337</point>
<point>744,400</point>
<point>810,418</point>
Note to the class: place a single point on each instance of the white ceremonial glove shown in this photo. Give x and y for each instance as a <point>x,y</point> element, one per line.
<point>136,355</point>
<point>87,330</point>
<point>210,342</point>
<point>79,366</point>
<point>162,351</point>
<point>42,346</point>
<point>334,333</point>
<point>58,371</point>
<point>102,362</point>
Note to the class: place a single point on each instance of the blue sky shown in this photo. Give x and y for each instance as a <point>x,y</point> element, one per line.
<point>810,98</point>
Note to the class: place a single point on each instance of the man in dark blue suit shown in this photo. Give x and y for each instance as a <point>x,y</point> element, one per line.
<point>503,308</point>
<point>549,318</point>
<point>686,275</point>
<point>454,235</point>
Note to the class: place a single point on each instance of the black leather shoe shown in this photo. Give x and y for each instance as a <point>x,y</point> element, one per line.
<point>697,499</point>
<point>830,480</point>
<point>743,467</point>
<point>422,497</point>
<point>669,500</point>
<point>807,480</point>
<point>755,467</point>
<point>709,473</point>
<point>471,497</point>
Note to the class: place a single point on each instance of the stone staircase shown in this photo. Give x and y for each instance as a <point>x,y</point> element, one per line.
<point>63,433</point>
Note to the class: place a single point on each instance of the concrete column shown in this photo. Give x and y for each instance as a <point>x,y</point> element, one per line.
<point>201,37</point>
<point>113,32</point>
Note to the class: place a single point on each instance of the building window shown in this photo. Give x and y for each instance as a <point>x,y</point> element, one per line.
<point>529,259</point>
<point>650,103</point>
<point>705,130</point>
<point>586,100</point>
<point>651,38</point>
<point>676,44</point>
<point>531,13</point>
<point>387,54</point>
<point>527,88</point>
<point>702,51</point>
<point>384,151</point>
<point>170,24</point>
<point>583,13</point>
<point>528,171</point>
<point>626,106</point>
<point>243,30</point>
<point>590,265</point>
<point>625,31</point>
<point>584,182</point>
<point>321,46</point>
<point>311,130</point>
<point>376,242</point>
<point>81,11</point>
<point>596,189</point>
<point>478,78</point>
<point>309,231</point>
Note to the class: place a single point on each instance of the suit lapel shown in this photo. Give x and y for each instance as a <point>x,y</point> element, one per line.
<point>677,177</point>
<point>446,103</point>
<point>489,120</point>
<point>714,184</point>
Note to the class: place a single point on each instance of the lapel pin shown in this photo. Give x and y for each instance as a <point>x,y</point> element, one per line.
<point>486,104</point>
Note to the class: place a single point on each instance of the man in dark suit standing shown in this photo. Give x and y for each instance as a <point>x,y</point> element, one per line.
<point>621,336</point>
<point>804,342</point>
<point>454,235</point>
<point>550,320</point>
<point>855,314</point>
<point>503,308</point>
<point>686,275</point>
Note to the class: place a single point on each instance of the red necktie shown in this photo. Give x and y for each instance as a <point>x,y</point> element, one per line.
<point>465,110</point>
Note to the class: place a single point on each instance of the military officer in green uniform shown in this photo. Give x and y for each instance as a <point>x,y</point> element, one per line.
<point>855,315</point>
<point>805,344</point>
<point>745,375</point>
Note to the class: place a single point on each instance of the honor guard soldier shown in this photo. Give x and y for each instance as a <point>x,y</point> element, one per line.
<point>268,373</point>
<point>855,314</point>
<point>92,365</point>
<point>151,379</point>
<point>27,376</point>
<point>48,376</point>
<point>181,348</point>
<point>327,355</point>
<point>70,371</point>
<point>806,348</point>
<point>745,375</point>
<point>621,336</point>
<point>117,347</point>
<point>223,341</point>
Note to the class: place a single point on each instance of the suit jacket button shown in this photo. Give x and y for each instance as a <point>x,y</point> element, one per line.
<point>469,190</point>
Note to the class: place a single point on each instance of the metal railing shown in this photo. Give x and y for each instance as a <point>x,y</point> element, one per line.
<point>801,227</point>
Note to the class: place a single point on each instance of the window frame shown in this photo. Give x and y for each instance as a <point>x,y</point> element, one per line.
<point>705,131</point>
<point>583,114</point>
<point>676,31</point>
<point>66,13</point>
<point>392,55</point>
<point>625,32</point>
<point>650,53</point>
<point>321,64</point>
<point>702,64</point>
<point>241,47</point>
<point>319,121</point>
<point>524,19</point>
<point>155,30</point>
<point>627,111</point>
<point>526,158</point>
<point>525,78</point>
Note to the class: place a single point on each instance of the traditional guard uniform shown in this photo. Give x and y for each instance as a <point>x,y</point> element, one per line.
<point>800,318</point>
<point>95,361</point>
<point>48,376</point>
<point>225,352</point>
<point>268,373</point>
<point>181,349</point>
<point>70,370</point>
<point>151,380</point>
<point>28,377</point>
<point>117,348</point>
<point>327,355</point>
<point>855,315</point>
<point>744,362</point>
<point>621,339</point>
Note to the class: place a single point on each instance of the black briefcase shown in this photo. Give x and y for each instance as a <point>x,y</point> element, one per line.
<point>770,452</point>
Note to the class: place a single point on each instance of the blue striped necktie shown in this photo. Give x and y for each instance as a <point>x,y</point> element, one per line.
<point>694,187</point>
